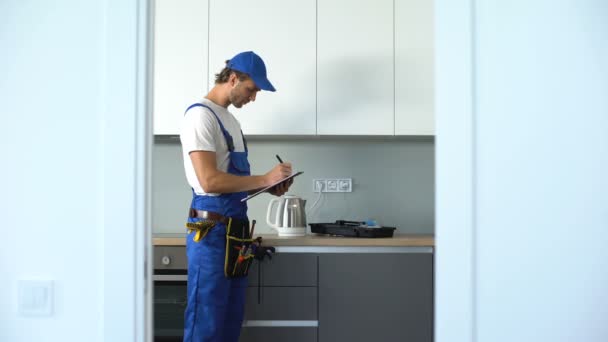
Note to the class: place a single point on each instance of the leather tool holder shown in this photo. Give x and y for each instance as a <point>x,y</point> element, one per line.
<point>239,249</point>
<point>206,221</point>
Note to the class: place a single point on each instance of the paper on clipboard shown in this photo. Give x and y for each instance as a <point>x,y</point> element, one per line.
<point>270,186</point>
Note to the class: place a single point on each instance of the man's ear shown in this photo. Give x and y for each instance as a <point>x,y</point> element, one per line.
<point>232,79</point>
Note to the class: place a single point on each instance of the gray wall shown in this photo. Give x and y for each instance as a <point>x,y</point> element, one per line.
<point>393,180</point>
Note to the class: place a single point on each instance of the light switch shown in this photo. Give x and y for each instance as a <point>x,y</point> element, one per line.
<point>35,297</point>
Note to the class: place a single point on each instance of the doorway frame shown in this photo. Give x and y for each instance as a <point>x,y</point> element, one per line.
<point>126,103</point>
<point>455,164</point>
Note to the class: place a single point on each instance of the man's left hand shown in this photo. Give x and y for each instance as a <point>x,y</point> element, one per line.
<point>280,189</point>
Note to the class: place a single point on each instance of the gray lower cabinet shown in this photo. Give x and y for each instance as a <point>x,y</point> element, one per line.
<point>335,297</point>
<point>375,297</point>
<point>282,300</point>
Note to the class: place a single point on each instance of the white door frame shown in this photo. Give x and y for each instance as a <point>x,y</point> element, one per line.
<point>455,171</point>
<point>126,183</point>
<point>455,160</point>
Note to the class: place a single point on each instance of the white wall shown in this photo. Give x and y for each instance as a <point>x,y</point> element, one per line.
<point>532,232</point>
<point>72,205</point>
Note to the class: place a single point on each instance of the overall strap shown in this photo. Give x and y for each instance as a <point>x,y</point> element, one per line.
<point>244,141</point>
<point>224,131</point>
<point>227,135</point>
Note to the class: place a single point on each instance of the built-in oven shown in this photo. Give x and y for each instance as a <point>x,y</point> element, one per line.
<point>170,284</point>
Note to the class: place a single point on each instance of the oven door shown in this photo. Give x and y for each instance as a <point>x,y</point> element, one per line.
<point>170,289</point>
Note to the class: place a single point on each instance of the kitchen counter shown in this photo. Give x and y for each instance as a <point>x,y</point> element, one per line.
<point>314,240</point>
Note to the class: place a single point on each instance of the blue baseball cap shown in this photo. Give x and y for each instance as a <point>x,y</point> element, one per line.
<point>252,65</point>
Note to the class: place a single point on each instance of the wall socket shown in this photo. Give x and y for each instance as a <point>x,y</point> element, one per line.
<point>332,185</point>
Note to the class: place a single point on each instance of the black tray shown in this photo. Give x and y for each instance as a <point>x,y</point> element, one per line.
<point>351,229</point>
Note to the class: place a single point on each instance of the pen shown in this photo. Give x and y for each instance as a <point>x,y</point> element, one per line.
<point>279,158</point>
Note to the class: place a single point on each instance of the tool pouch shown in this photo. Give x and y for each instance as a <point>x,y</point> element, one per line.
<point>201,228</point>
<point>239,249</point>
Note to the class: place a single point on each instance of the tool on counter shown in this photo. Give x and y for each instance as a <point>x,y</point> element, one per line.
<point>361,229</point>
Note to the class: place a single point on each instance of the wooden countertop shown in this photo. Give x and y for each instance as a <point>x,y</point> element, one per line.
<point>398,240</point>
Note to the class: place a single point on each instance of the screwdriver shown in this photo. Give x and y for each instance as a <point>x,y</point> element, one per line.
<point>252,228</point>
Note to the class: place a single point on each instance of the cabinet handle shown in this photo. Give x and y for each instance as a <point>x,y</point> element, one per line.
<point>259,323</point>
<point>259,283</point>
<point>170,277</point>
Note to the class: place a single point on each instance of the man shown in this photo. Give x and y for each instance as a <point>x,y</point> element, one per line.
<point>217,169</point>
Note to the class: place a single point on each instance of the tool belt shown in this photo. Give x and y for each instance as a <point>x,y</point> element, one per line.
<point>207,215</point>
<point>240,247</point>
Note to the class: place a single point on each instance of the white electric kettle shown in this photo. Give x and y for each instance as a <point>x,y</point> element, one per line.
<point>290,215</point>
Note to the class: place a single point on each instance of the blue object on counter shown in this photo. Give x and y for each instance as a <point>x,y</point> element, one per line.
<point>371,223</point>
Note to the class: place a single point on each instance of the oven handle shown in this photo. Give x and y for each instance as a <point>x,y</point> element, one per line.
<point>170,277</point>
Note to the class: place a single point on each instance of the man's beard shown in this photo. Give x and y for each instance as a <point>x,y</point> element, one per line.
<point>236,101</point>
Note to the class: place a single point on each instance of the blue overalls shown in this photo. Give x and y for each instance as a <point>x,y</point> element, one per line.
<point>216,303</point>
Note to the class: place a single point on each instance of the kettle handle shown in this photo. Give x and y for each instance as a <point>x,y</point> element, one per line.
<point>272,225</point>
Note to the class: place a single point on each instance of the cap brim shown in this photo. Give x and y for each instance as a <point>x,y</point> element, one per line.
<point>264,84</point>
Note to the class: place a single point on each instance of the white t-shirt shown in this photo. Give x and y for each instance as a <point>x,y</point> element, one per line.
<point>200,131</point>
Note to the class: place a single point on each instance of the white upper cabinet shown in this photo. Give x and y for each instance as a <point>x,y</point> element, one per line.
<point>355,67</point>
<point>180,60</point>
<point>283,33</point>
<point>340,67</point>
<point>414,67</point>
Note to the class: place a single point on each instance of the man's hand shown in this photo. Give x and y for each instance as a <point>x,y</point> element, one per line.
<point>278,172</point>
<point>280,189</point>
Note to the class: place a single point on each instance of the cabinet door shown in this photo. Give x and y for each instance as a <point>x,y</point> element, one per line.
<point>414,67</point>
<point>281,303</point>
<point>282,32</point>
<point>355,67</point>
<point>284,269</point>
<point>290,269</point>
<point>180,60</point>
<point>376,297</point>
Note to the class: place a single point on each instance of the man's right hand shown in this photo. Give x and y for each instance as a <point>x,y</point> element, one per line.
<point>278,172</point>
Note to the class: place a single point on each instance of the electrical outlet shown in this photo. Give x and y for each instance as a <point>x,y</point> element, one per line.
<point>332,185</point>
<point>319,185</point>
<point>35,297</point>
<point>345,185</point>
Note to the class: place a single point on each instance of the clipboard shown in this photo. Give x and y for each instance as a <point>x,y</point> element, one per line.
<point>270,186</point>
